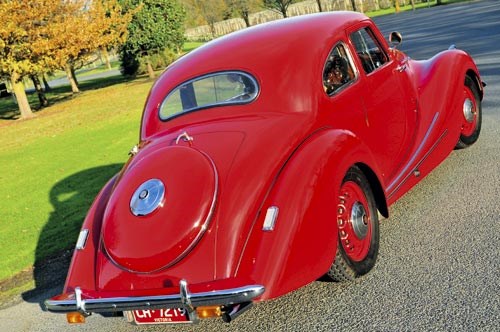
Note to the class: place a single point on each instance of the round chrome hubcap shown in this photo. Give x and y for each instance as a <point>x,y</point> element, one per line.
<point>469,111</point>
<point>147,198</point>
<point>359,220</point>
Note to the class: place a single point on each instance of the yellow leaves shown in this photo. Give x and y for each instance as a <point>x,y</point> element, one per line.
<point>37,33</point>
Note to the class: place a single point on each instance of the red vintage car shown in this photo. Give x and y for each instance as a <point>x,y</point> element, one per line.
<point>265,159</point>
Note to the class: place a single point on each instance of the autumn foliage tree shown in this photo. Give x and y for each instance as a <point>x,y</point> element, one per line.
<point>82,30</point>
<point>38,36</point>
<point>24,46</point>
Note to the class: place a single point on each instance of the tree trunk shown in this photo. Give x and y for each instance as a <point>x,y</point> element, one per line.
<point>283,11</point>
<point>44,102</point>
<point>412,4</point>
<point>396,5</point>
<point>21,98</point>
<point>246,18</point>
<point>46,84</point>
<point>353,3</point>
<point>319,5</point>
<point>73,74</point>
<point>105,54</point>
<point>211,24</point>
<point>71,79</point>
<point>151,72</point>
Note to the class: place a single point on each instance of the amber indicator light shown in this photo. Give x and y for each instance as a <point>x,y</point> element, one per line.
<point>208,312</point>
<point>75,318</point>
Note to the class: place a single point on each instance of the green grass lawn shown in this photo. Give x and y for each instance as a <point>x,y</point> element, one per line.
<point>51,167</point>
<point>189,46</point>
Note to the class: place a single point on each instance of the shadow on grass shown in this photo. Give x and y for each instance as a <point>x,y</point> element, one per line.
<point>71,199</point>
<point>9,109</point>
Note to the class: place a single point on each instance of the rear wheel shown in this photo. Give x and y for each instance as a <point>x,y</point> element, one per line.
<point>471,114</point>
<point>358,228</point>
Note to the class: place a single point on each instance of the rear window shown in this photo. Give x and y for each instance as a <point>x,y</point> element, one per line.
<point>224,88</point>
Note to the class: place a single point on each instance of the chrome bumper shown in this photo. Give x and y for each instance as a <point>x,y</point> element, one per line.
<point>184,299</point>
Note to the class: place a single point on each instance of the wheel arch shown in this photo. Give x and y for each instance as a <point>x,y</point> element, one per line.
<point>377,190</point>
<point>477,81</point>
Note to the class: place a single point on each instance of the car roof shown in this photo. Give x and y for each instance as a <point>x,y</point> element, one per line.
<point>286,57</point>
<point>267,47</point>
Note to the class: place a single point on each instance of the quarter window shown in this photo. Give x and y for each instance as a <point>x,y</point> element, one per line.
<point>207,91</point>
<point>338,71</point>
<point>369,51</point>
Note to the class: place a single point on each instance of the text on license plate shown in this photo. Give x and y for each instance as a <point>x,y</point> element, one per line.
<point>161,316</point>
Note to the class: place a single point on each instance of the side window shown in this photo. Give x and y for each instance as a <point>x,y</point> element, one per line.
<point>369,51</point>
<point>338,70</point>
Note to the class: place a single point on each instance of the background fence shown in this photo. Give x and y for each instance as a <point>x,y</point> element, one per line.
<point>205,32</point>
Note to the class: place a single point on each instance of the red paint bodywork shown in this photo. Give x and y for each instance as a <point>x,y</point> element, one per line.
<point>290,148</point>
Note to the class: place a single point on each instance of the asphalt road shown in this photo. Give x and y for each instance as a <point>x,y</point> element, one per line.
<point>439,262</point>
<point>64,80</point>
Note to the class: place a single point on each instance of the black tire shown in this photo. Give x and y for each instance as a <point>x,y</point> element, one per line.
<point>472,134</point>
<point>356,216</point>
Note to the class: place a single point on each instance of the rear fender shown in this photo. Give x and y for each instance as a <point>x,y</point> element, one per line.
<point>303,243</point>
<point>82,270</point>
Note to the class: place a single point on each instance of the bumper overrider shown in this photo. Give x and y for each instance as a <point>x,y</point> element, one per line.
<point>233,302</point>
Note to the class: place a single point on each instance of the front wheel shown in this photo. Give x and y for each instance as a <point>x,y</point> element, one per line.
<point>358,228</point>
<point>471,115</point>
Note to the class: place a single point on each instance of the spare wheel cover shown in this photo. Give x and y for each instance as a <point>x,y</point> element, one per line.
<point>160,208</point>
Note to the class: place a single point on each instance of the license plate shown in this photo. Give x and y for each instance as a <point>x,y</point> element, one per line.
<point>161,316</point>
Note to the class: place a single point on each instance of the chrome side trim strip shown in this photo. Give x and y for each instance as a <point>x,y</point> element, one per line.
<point>220,297</point>
<point>390,189</point>
<point>416,172</point>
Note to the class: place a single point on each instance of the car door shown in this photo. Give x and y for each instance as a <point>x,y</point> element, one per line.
<point>389,101</point>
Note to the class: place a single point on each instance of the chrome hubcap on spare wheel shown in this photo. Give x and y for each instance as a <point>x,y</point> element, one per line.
<point>469,110</point>
<point>147,198</point>
<point>359,220</point>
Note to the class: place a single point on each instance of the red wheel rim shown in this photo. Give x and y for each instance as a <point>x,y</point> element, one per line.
<point>354,221</point>
<point>470,113</point>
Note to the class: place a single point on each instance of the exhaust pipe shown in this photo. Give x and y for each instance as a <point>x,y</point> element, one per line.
<point>235,311</point>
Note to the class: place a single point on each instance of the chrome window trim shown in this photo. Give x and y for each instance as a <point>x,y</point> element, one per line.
<point>223,103</point>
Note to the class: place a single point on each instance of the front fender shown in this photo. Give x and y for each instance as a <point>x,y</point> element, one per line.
<point>440,82</point>
<point>303,243</point>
